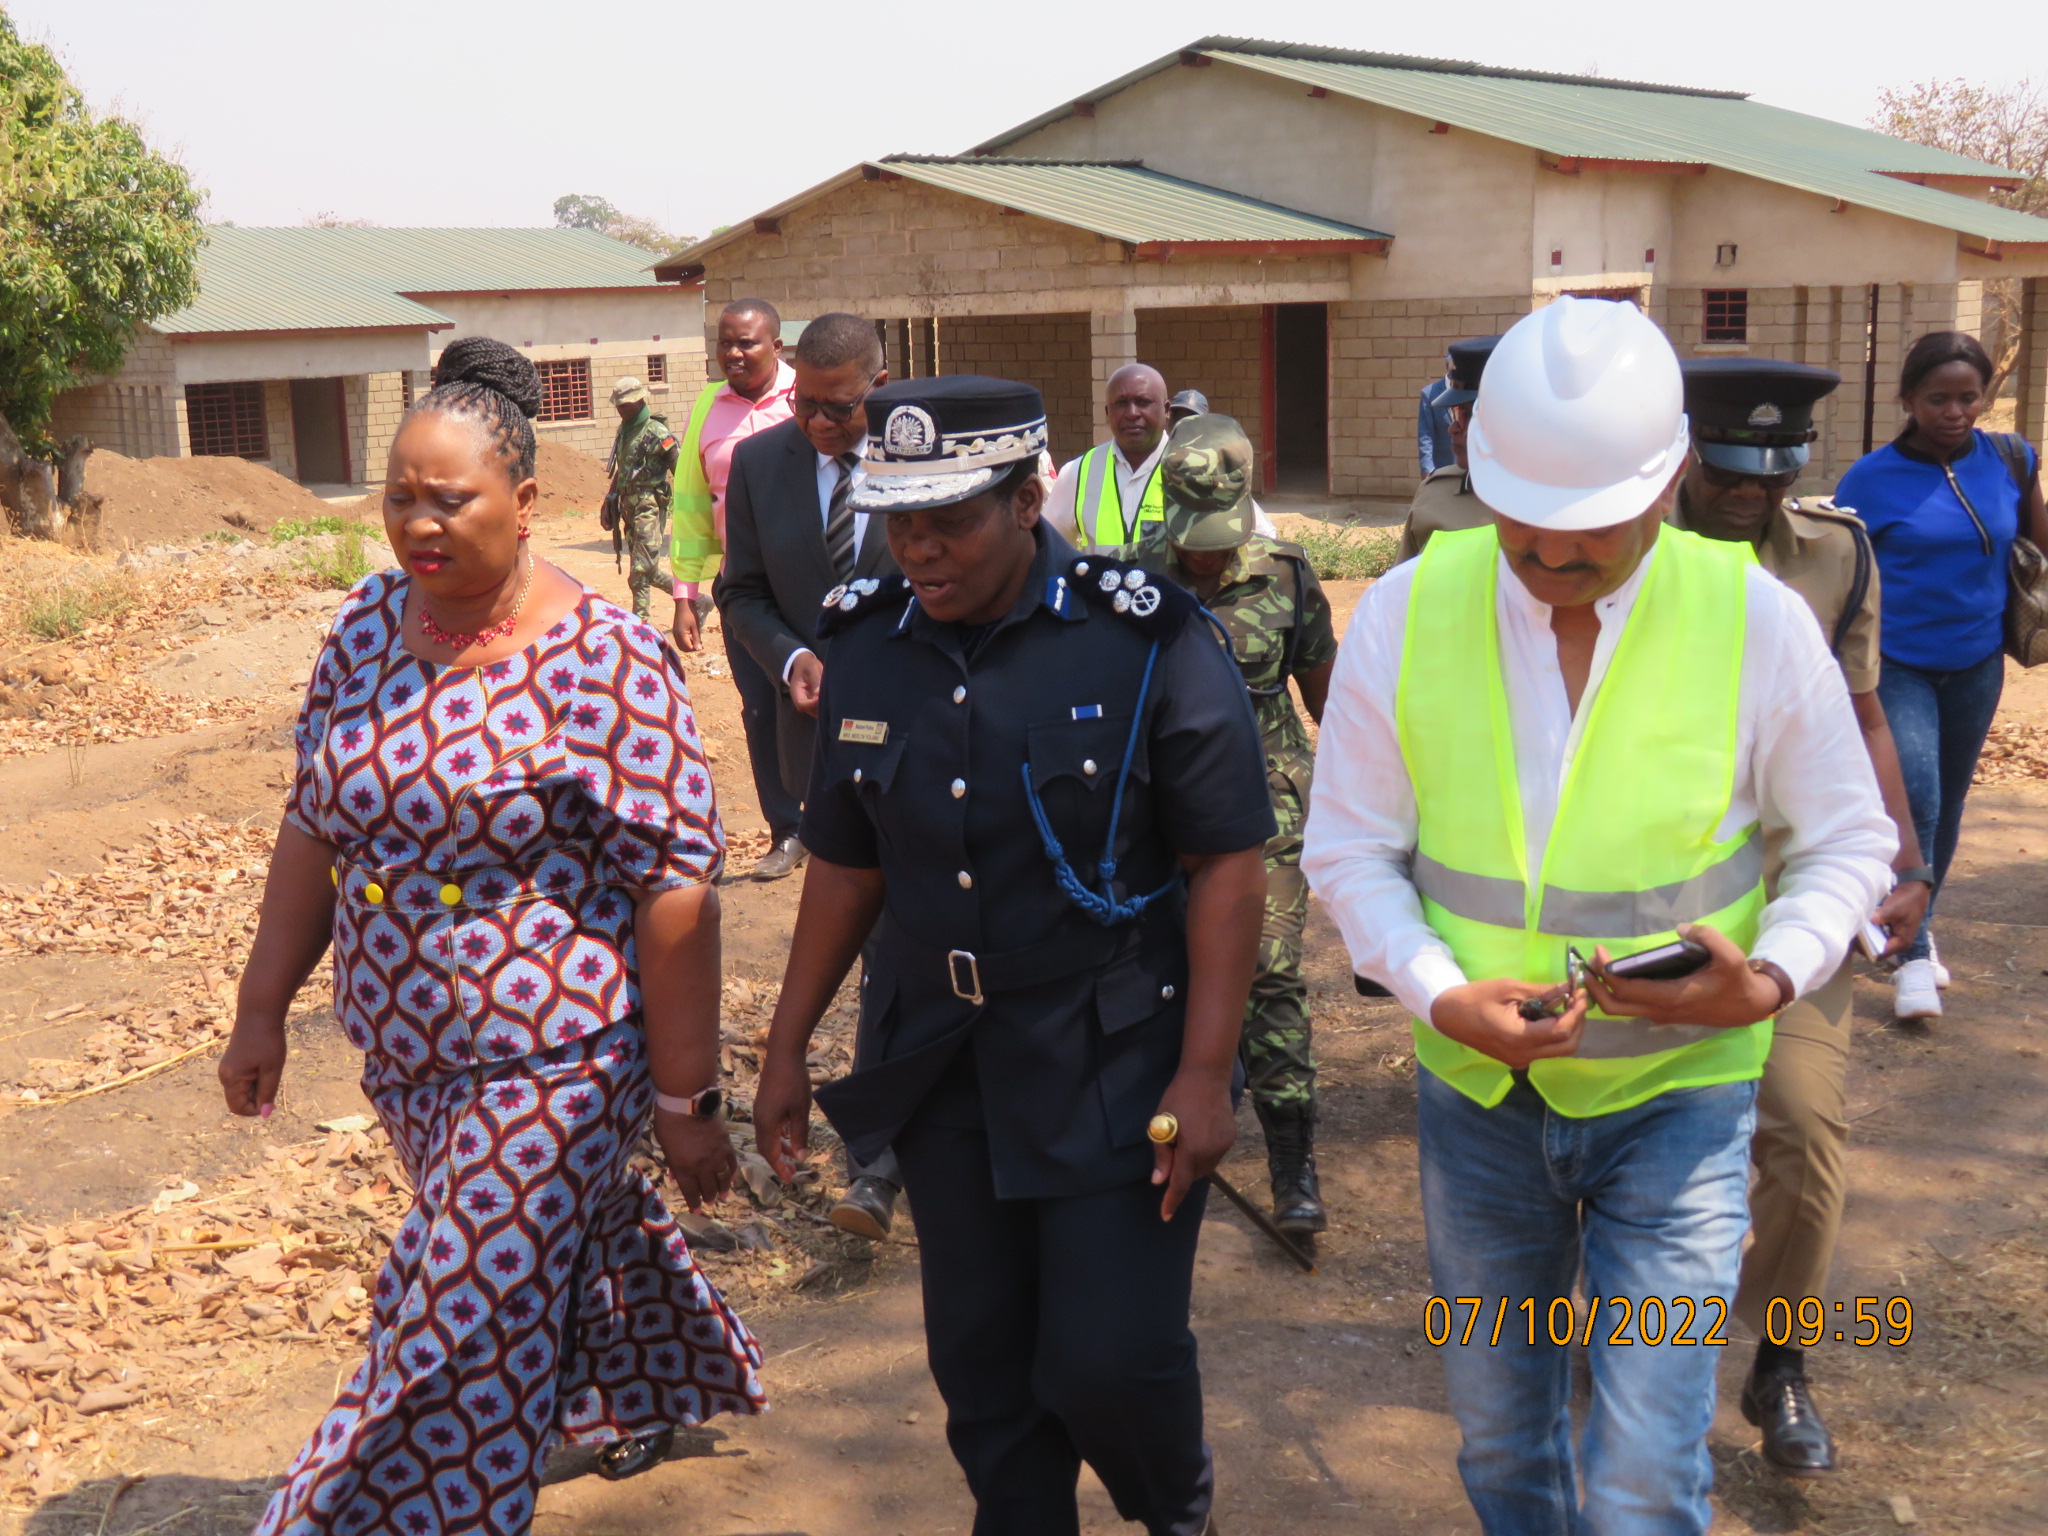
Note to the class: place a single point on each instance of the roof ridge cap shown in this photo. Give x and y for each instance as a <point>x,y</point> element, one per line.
<point>1312,53</point>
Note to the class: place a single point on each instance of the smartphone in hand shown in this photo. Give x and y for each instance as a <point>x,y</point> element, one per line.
<point>1667,962</point>
<point>1871,939</point>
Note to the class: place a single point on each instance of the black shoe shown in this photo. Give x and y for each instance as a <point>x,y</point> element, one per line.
<point>783,859</point>
<point>867,1208</point>
<point>1780,1403</point>
<point>1291,1160</point>
<point>629,1458</point>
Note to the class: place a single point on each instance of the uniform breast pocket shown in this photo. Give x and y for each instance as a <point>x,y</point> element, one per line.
<point>869,771</point>
<point>1088,753</point>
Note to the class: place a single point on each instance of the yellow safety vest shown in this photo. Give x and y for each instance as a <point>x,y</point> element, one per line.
<point>1633,851</point>
<point>1099,509</point>
<point>694,550</point>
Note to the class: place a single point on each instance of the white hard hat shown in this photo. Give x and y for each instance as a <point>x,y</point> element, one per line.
<point>1580,421</point>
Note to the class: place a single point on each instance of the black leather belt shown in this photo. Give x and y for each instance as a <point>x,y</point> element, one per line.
<point>974,977</point>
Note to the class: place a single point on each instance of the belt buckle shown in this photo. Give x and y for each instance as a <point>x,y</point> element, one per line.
<point>972,991</point>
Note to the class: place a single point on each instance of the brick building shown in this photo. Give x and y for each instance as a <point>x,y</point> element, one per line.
<point>1298,232</point>
<point>306,345</point>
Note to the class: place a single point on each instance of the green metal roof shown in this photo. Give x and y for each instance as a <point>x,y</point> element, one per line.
<point>1585,117</point>
<point>312,279</point>
<point>1121,200</point>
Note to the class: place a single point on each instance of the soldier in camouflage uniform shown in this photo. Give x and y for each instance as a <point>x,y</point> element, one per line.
<point>643,471</point>
<point>1267,599</point>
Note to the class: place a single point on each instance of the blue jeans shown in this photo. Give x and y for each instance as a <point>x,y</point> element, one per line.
<point>1939,720</point>
<point>1520,1201</point>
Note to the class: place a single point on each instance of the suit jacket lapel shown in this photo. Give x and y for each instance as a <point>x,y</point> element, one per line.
<point>874,549</point>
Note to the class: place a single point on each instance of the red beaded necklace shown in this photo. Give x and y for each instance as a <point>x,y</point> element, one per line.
<point>458,642</point>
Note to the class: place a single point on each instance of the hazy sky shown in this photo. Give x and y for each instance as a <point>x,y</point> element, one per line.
<point>429,112</point>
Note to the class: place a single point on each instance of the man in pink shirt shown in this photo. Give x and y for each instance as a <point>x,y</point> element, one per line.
<point>754,396</point>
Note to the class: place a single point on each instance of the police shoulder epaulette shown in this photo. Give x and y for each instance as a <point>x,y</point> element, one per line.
<point>1824,508</point>
<point>1151,602</point>
<point>850,601</point>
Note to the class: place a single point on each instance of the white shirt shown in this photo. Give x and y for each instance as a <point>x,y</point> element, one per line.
<point>1131,481</point>
<point>1801,767</point>
<point>828,482</point>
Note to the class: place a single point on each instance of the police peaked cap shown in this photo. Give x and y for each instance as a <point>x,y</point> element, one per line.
<point>1753,415</point>
<point>932,442</point>
<point>1467,363</point>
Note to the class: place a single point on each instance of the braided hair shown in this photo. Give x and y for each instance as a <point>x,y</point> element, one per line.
<point>495,386</point>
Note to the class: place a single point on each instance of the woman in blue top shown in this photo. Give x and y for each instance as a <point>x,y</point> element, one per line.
<point>1943,506</point>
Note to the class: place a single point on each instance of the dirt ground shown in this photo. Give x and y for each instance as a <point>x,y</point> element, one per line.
<point>200,1268</point>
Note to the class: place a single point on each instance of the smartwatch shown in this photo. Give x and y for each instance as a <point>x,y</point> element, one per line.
<point>1924,873</point>
<point>706,1104</point>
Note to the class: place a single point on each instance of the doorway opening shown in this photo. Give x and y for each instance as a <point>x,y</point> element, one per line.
<point>1297,367</point>
<point>320,432</point>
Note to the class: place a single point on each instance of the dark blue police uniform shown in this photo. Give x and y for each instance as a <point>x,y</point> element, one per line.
<point>1019,1019</point>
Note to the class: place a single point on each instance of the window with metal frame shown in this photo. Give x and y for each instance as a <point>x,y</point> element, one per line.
<point>657,368</point>
<point>564,389</point>
<point>227,420</point>
<point>1726,317</point>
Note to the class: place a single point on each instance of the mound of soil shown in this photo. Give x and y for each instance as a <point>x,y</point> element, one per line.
<point>570,480</point>
<point>173,501</point>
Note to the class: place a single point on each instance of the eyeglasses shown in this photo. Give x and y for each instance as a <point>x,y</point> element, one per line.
<point>1729,479</point>
<point>837,412</point>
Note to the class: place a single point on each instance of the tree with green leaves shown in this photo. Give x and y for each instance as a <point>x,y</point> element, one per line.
<point>98,234</point>
<point>2003,127</point>
<point>578,211</point>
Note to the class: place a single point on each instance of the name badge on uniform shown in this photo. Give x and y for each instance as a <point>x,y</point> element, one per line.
<point>870,733</point>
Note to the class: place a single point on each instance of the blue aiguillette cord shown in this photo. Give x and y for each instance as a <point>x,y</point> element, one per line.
<point>1101,906</point>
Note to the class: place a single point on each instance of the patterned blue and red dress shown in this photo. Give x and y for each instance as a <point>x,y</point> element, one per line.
<point>492,825</point>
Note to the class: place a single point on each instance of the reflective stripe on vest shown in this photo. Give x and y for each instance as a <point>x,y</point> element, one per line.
<point>696,534</point>
<point>1098,505</point>
<point>1633,850</point>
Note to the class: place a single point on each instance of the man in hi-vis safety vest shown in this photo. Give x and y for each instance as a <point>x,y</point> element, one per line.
<point>1566,736</point>
<point>1104,499</point>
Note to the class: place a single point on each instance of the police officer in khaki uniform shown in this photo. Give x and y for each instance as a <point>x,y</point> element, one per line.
<point>1751,423</point>
<point>1446,502</point>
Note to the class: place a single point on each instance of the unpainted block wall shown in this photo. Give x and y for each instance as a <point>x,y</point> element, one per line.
<point>1829,327</point>
<point>139,414</point>
<point>1213,350</point>
<point>1382,351</point>
<point>1048,351</point>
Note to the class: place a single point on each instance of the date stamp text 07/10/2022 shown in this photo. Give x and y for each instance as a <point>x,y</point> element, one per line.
<point>1656,1320</point>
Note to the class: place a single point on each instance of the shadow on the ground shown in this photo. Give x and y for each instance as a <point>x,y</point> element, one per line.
<point>166,1504</point>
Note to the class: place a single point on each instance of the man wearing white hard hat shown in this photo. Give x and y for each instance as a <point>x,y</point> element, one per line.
<point>1558,739</point>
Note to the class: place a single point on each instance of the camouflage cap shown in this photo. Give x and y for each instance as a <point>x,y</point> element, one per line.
<point>1206,482</point>
<point>627,390</point>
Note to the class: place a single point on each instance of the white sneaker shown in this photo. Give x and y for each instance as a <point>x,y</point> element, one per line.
<point>1934,959</point>
<point>1914,995</point>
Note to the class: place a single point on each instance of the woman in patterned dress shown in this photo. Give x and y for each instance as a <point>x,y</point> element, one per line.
<point>503,820</point>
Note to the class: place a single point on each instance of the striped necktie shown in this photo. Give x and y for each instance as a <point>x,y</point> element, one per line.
<point>839,518</point>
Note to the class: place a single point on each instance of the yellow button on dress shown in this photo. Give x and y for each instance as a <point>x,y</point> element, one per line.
<point>451,895</point>
<point>373,893</point>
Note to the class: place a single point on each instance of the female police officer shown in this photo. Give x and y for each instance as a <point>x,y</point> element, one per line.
<point>1035,773</point>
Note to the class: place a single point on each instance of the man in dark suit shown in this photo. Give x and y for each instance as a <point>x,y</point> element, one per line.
<point>792,537</point>
<point>791,534</point>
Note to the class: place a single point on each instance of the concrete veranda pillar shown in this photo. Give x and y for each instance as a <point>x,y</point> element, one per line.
<point>1112,342</point>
